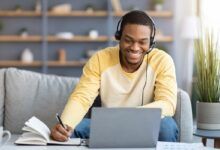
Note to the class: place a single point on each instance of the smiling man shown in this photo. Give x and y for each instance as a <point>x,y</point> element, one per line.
<point>133,74</point>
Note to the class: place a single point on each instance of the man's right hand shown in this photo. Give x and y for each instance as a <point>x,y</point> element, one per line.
<point>59,133</point>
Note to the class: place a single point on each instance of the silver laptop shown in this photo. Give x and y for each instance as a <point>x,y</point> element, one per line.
<point>124,127</point>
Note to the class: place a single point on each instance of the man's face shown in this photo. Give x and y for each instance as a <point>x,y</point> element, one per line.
<point>134,43</point>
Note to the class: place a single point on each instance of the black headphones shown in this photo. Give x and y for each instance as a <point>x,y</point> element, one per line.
<point>118,32</point>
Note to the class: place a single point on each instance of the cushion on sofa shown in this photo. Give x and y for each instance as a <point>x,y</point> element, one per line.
<point>29,93</point>
<point>2,95</point>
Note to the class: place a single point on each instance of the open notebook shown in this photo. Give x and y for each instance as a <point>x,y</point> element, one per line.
<point>37,133</point>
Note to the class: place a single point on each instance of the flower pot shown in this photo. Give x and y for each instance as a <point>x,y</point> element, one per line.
<point>208,115</point>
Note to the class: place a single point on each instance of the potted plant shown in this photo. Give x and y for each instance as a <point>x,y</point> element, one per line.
<point>158,5</point>
<point>208,80</point>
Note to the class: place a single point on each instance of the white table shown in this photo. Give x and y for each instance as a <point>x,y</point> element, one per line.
<point>11,146</point>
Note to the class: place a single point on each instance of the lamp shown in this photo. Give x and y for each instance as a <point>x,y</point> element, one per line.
<point>189,33</point>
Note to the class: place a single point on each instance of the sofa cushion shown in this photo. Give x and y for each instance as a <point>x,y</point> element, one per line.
<point>29,93</point>
<point>2,95</point>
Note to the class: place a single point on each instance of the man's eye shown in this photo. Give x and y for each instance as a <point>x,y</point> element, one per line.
<point>143,42</point>
<point>128,41</point>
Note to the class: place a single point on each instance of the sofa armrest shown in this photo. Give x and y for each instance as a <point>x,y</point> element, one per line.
<point>183,116</point>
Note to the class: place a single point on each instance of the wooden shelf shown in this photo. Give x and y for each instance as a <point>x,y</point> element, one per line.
<point>66,64</point>
<point>17,38</point>
<point>11,13</point>
<point>165,14</point>
<point>38,38</point>
<point>16,63</point>
<point>78,38</point>
<point>158,39</point>
<point>79,14</point>
<point>164,39</point>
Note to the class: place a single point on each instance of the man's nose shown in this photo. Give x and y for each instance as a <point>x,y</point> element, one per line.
<point>135,46</point>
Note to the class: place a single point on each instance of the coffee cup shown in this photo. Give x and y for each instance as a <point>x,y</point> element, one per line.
<point>5,136</point>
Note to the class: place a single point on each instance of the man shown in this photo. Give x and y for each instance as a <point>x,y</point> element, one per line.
<point>133,74</point>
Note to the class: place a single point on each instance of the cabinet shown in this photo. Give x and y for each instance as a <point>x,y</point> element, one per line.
<point>43,26</point>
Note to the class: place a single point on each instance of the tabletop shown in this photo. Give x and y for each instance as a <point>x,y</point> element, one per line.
<point>11,146</point>
<point>207,133</point>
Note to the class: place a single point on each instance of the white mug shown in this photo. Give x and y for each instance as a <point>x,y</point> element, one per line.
<point>2,134</point>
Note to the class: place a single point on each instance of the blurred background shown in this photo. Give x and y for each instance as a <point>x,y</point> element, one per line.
<point>59,36</point>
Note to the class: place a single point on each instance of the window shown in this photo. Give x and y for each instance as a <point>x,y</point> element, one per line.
<point>209,11</point>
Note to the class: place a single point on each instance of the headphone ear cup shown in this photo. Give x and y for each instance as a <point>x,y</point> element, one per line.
<point>117,35</point>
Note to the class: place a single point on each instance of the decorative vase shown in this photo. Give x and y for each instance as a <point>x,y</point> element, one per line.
<point>93,34</point>
<point>27,56</point>
<point>158,7</point>
<point>208,115</point>
<point>62,56</point>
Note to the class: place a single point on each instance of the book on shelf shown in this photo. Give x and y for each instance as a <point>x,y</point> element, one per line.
<point>35,132</point>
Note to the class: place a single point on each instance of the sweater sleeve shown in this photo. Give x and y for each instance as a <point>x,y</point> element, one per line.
<point>84,94</point>
<point>165,93</point>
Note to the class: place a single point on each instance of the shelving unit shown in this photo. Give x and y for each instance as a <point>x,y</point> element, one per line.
<point>104,20</point>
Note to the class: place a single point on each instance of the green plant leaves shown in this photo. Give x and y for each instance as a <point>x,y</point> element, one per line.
<point>207,66</point>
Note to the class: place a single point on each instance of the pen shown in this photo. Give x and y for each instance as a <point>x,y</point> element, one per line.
<point>59,120</point>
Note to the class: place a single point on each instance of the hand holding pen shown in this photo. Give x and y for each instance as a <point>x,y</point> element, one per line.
<point>59,120</point>
<point>61,132</point>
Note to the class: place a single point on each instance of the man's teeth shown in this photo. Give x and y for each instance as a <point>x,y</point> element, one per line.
<point>135,52</point>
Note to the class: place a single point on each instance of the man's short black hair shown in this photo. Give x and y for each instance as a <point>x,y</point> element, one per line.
<point>136,17</point>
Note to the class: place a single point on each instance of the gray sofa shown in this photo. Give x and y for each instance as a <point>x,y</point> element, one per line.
<point>26,93</point>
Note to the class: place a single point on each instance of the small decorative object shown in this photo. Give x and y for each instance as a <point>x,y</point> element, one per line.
<point>27,56</point>
<point>62,55</point>
<point>89,53</point>
<point>65,35</point>
<point>1,25</point>
<point>38,6</point>
<point>93,34</point>
<point>90,8</point>
<point>208,81</point>
<point>116,5</point>
<point>133,7</point>
<point>158,5</point>
<point>17,7</point>
<point>62,8</point>
<point>23,32</point>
